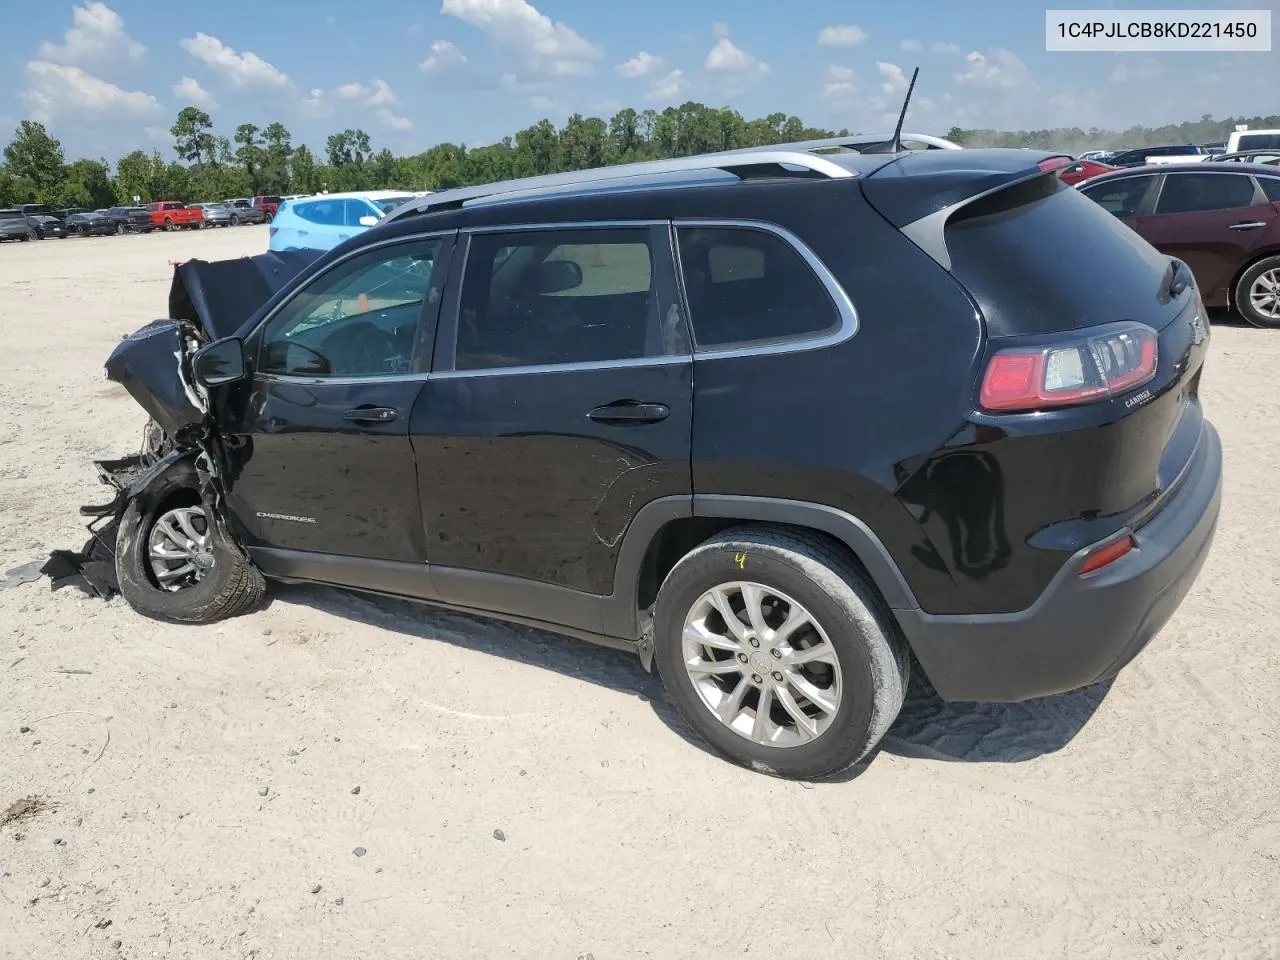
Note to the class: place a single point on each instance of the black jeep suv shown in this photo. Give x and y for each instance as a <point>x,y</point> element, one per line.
<point>775,420</point>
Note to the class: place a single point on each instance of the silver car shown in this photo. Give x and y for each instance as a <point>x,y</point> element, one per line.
<point>215,214</point>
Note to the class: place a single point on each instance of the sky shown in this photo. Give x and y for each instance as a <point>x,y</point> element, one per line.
<point>106,78</point>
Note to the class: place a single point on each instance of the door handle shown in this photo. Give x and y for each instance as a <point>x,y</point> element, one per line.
<point>372,414</point>
<point>630,411</point>
<point>1251,225</point>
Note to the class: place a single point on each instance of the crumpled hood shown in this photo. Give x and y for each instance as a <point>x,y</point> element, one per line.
<point>220,295</point>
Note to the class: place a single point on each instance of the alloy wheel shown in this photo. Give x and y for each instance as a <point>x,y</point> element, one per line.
<point>1264,294</point>
<point>762,664</point>
<point>179,549</point>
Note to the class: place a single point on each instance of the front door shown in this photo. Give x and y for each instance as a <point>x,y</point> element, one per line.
<point>560,404</point>
<point>320,458</point>
<point>1212,222</point>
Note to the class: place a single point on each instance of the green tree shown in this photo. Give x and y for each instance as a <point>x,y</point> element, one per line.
<point>36,163</point>
<point>275,161</point>
<point>583,142</point>
<point>88,184</point>
<point>141,175</point>
<point>304,175</point>
<point>537,150</point>
<point>250,154</point>
<point>191,138</point>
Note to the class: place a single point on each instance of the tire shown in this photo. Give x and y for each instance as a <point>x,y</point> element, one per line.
<point>235,221</point>
<point>866,662</point>
<point>121,229</point>
<point>231,587</point>
<point>28,236</point>
<point>168,224</point>
<point>1244,293</point>
<point>267,218</point>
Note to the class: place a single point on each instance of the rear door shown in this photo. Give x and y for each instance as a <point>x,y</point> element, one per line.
<point>560,404</point>
<point>1213,221</point>
<point>319,451</point>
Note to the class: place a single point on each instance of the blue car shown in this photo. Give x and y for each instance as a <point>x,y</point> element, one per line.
<point>325,220</point>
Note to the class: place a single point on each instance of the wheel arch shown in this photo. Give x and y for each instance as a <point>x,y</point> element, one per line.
<point>665,530</point>
<point>1256,257</point>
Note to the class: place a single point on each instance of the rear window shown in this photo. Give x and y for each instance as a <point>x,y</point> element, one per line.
<point>1040,257</point>
<point>1200,192</point>
<point>1271,187</point>
<point>390,203</point>
<point>1259,141</point>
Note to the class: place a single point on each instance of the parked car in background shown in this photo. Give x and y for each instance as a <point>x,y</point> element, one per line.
<point>1083,169</point>
<point>1144,155</point>
<point>49,226</point>
<point>215,214</point>
<point>36,209</point>
<point>130,219</point>
<point>1240,140</point>
<point>1264,157</point>
<point>326,220</point>
<point>175,215</point>
<point>1221,219</point>
<point>1213,149</point>
<point>14,225</point>
<point>269,205</point>
<point>69,211</point>
<point>1092,155</point>
<point>90,224</point>
<point>243,211</point>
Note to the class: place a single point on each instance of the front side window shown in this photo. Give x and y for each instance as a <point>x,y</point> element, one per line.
<point>750,287</point>
<point>1120,197</point>
<point>1199,192</point>
<point>358,319</point>
<point>329,213</point>
<point>531,298</point>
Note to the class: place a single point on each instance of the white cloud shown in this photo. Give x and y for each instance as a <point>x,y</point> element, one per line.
<point>243,70</point>
<point>317,104</point>
<point>546,46</point>
<point>643,64</point>
<point>842,35</point>
<point>161,135</point>
<point>943,47</point>
<point>911,46</point>
<point>56,90</point>
<point>378,94</point>
<point>894,80</point>
<point>97,35</point>
<point>840,84</point>
<point>720,30</point>
<point>445,56</point>
<point>999,69</point>
<point>726,58</point>
<point>668,87</point>
<point>393,122</point>
<point>190,90</point>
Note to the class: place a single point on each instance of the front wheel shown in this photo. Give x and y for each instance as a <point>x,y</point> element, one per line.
<point>1258,293</point>
<point>235,221</point>
<point>267,218</point>
<point>776,649</point>
<point>172,564</point>
<point>121,229</point>
<point>168,224</point>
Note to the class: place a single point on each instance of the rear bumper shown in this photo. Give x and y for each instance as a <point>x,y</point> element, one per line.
<point>1082,629</point>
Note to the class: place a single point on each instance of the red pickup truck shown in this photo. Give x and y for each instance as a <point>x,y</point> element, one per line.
<point>269,205</point>
<point>173,214</point>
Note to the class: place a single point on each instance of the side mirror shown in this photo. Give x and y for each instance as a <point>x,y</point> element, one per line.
<point>555,276</point>
<point>220,362</point>
<point>368,221</point>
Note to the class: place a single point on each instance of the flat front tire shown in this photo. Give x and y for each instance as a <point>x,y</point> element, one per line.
<point>173,565</point>
<point>778,652</point>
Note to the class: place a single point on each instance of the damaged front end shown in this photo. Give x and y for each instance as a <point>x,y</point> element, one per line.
<point>181,446</point>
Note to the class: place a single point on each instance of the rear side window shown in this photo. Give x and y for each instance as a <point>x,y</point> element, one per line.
<point>747,287</point>
<point>1039,258</point>
<point>1198,192</point>
<point>325,212</point>
<point>532,298</point>
<point>1259,141</point>
<point>355,209</point>
<point>1120,197</point>
<point>1271,187</point>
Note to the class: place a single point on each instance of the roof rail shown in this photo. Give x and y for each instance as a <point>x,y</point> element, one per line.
<point>860,140</point>
<point>764,161</point>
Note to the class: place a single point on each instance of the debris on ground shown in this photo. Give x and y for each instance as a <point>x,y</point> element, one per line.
<point>25,809</point>
<point>317,888</point>
<point>26,573</point>
<point>499,835</point>
<point>359,851</point>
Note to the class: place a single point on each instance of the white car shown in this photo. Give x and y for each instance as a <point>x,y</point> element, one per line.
<point>325,220</point>
<point>1241,140</point>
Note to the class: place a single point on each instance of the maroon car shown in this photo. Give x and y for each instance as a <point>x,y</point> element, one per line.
<point>1221,219</point>
<point>1083,170</point>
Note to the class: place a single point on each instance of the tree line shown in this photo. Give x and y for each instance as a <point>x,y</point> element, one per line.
<point>253,160</point>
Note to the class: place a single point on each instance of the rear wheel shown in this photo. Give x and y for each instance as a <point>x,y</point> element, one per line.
<point>267,218</point>
<point>778,652</point>
<point>235,221</point>
<point>1258,293</point>
<point>29,235</point>
<point>121,229</point>
<point>172,564</point>
<point>168,223</point>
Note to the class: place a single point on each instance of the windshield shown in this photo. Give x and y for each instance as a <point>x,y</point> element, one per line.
<point>390,203</point>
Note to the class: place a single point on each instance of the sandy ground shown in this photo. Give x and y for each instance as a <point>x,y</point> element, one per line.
<point>204,779</point>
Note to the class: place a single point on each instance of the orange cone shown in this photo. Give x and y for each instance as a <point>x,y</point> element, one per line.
<point>597,260</point>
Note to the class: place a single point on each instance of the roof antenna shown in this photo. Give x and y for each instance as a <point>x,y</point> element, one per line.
<point>895,145</point>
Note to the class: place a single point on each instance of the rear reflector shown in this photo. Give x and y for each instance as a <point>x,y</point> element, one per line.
<point>1102,363</point>
<point>1106,555</point>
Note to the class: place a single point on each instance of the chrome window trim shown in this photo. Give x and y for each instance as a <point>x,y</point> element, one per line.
<point>840,300</point>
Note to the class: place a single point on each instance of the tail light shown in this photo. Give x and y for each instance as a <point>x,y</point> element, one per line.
<point>1101,364</point>
<point>1106,555</point>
